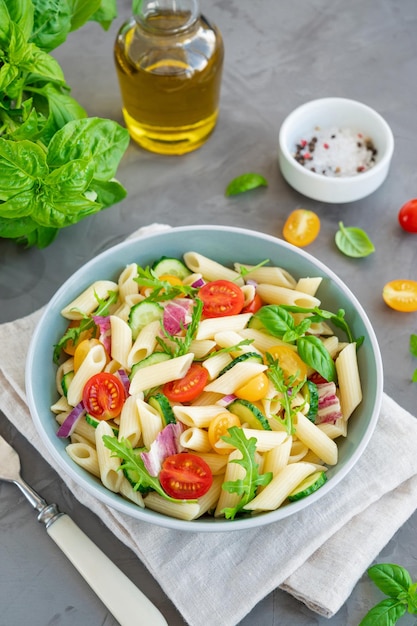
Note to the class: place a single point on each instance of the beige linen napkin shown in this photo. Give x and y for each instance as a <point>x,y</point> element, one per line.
<point>224,575</point>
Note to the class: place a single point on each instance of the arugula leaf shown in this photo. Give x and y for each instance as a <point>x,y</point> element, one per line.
<point>245,271</point>
<point>288,390</point>
<point>245,487</point>
<point>161,289</point>
<point>73,332</point>
<point>123,449</point>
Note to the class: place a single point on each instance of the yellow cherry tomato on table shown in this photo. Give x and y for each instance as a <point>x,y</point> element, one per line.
<point>290,363</point>
<point>301,228</point>
<point>255,389</point>
<point>401,295</point>
<point>218,428</point>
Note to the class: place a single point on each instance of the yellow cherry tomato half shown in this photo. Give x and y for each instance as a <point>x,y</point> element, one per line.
<point>171,279</point>
<point>81,351</point>
<point>401,295</point>
<point>218,428</point>
<point>255,389</point>
<point>301,228</point>
<point>290,363</point>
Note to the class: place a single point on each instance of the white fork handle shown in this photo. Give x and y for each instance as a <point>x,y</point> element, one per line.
<point>122,598</point>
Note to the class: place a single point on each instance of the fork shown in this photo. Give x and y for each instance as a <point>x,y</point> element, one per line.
<point>124,600</point>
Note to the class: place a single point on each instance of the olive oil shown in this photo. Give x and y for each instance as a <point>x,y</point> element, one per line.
<point>169,66</point>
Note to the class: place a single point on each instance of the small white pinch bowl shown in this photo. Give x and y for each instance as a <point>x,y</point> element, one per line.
<point>328,113</point>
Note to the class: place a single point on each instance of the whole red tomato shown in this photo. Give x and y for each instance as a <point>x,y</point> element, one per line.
<point>408,216</point>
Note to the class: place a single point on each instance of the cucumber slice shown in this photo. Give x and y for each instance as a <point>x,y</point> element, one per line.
<point>172,267</point>
<point>311,395</point>
<point>133,477</point>
<point>247,356</point>
<point>66,381</point>
<point>255,323</point>
<point>160,402</point>
<point>152,359</point>
<point>249,414</point>
<point>142,314</point>
<point>308,486</point>
<point>94,422</point>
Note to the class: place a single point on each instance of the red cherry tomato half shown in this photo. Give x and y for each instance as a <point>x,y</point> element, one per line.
<point>103,396</point>
<point>185,476</point>
<point>254,305</point>
<point>408,216</point>
<point>189,387</point>
<point>221,298</point>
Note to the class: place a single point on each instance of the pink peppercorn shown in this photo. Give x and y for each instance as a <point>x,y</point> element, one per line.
<point>326,145</point>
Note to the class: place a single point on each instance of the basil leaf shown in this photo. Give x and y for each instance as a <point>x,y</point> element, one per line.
<point>353,242</point>
<point>385,613</point>
<point>8,73</point>
<point>108,192</point>
<point>16,227</point>
<point>391,579</point>
<point>81,11</point>
<point>20,205</point>
<point>73,176</point>
<point>313,353</point>
<point>51,24</point>
<point>276,320</point>
<point>43,66</point>
<point>245,182</point>
<point>40,237</point>
<point>21,13</point>
<point>5,22</point>
<point>104,141</point>
<point>21,165</point>
<point>105,14</point>
<point>413,345</point>
<point>58,211</point>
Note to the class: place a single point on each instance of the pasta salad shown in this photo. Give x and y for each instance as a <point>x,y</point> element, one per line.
<point>192,388</point>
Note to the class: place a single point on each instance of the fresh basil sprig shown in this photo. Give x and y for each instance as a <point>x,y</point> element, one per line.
<point>396,582</point>
<point>56,165</point>
<point>353,242</point>
<point>279,322</point>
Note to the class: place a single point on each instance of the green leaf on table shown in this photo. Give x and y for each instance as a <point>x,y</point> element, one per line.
<point>245,182</point>
<point>396,582</point>
<point>353,242</point>
<point>413,351</point>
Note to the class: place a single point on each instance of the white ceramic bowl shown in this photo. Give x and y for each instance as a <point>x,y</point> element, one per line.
<point>344,114</point>
<point>226,245</point>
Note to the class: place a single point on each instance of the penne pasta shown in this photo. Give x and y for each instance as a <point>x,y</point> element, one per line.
<point>349,381</point>
<point>272,294</point>
<point>209,269</point>
<point>87,301</point>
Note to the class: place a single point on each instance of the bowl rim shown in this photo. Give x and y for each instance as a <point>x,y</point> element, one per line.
<point>200,525</point>
<point>381,163</point>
